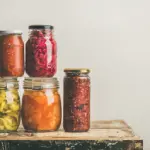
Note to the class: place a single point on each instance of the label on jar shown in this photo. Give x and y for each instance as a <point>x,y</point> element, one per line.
<point>49,50</point>
<point>9,97</point>
<point>50,96</point>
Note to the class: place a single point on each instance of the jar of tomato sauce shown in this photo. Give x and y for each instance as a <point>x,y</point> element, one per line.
<point>41,51</point>
<point>41,106</point>
<point>9,104</point>
<point>76,100</point>
<point>11,54</point>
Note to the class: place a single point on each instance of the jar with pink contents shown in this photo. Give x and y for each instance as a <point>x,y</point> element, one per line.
<point>41,51</point>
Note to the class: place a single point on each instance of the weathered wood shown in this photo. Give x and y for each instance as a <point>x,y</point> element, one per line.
<point>109,135</point>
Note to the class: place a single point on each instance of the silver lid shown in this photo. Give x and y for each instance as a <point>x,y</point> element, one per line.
<point>7,32</point>
<point>9,82</point>
<point>40,83</point>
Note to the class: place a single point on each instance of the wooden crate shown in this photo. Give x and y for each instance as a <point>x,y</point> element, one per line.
<point>103,135</point>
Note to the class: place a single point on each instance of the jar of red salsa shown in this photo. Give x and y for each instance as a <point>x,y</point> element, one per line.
<point>11,54</point>
<point>76,100</point>
<point>41,51</point>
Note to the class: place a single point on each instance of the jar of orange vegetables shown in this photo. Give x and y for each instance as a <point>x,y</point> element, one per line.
<point>41,105</point>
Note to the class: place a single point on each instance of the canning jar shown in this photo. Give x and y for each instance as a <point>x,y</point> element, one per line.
<point>9,105</point>
<point>41,106</point>
<point>41,52</point>
<point>76,100</point>
<point>11,54</point>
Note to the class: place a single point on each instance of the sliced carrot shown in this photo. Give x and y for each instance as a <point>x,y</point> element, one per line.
<point>48,111</point>
<point>57,99</point>
<point>41,100</point>
<point>56,110</point>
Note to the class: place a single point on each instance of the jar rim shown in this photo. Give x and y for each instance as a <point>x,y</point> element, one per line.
<point>8,32</point>
<point>41,27</point>
<point>9,82</point>
<point>40,83</point>
<point>77,70</point>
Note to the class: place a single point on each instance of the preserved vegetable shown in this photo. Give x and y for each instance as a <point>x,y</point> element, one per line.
<point>41,52</point>
<point>11,54</point>
<point>9,106</point>
<point>76,100</point>
<point>41,109</point>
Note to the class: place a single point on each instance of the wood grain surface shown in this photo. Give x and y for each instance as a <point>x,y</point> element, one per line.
<point>100,130</point>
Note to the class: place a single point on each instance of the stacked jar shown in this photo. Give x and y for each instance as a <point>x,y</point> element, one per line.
<point>41,52</point>
<point>9,105</point>
<point>11,67</point>
<point>41,107</point>
<point>11,54</point>
<point>41,104</point>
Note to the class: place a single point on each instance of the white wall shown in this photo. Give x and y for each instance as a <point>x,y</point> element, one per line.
<point>109,36</point>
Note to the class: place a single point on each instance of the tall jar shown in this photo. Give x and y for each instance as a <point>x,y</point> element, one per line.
<point>11,54</point>
<point>9,105</point>
<point>76,100</point>
<point>41,106</point>
<point>41,51</point>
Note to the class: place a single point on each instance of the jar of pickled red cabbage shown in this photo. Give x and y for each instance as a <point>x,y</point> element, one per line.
<point>76,100</point>
<point>9,105</point>
<point>41,51</point>
<point>41,106</point>
<point>11,54</point>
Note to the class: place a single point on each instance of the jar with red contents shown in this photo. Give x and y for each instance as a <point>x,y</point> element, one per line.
<point>11,54</point>
<point>76,100</point>
<point>41,51</point>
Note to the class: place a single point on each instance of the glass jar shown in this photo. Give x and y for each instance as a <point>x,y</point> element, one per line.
<point>41,51</point>
<point>9,105</point>
<point>76,100</point>
<point>41,105</point>
<point>11,54</point>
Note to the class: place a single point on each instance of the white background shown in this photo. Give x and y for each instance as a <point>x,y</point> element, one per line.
<point>112,37</point>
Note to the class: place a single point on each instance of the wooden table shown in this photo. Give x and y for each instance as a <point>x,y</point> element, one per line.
<point>103,135</point>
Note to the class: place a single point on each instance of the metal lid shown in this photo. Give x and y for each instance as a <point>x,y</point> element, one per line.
<point>77,70</point>
<point>40,83</point>
<point>7,32</point>
<point>9,82</point>
<point>41,27</point>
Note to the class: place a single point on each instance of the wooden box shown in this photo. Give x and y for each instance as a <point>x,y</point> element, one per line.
<point>103,135</point>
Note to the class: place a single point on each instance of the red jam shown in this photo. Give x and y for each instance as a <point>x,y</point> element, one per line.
<point>41,55</point>
<point>76,103</point>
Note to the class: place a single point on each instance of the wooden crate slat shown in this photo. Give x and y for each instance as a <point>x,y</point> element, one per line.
<point>109,135</point>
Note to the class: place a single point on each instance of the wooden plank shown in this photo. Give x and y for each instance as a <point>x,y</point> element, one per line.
<point>71,145</point>
<point>109,135</point>
<point>100,130</point>
<point>109,124</point>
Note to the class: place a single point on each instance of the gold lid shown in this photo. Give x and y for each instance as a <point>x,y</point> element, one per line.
<point>77,70</point>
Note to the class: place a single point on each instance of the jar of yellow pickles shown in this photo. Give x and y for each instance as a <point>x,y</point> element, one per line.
<point>9,105</point>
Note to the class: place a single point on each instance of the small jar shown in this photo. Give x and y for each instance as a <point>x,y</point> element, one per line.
<point>41,106</point>
<point>9,105</point>
<point>11,54</point>
<point>76,100</point>
<point>41,51</point>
